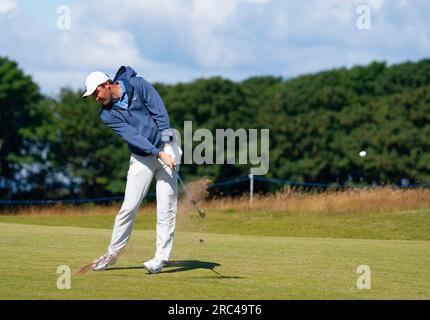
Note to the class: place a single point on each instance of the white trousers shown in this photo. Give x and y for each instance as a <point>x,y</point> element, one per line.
<point>139,177</point>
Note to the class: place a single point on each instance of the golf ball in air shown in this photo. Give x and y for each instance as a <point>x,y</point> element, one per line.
<point>362,153</point>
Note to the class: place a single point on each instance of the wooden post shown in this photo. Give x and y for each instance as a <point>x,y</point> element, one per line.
<point>251,189</point>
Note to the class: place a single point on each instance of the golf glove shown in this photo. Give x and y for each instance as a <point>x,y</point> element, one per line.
<point>175,152</point>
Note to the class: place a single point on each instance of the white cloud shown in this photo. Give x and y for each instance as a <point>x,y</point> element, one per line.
<point>207,16</point>
<point>213,13</point>
<point>58,57</point>
<point>374,4</point>
<point>404,2</point>
<point>258,1</point>
<point>7,6</point>
<point>52,80</point>
<point>174,40</point>
<point>99,48</point>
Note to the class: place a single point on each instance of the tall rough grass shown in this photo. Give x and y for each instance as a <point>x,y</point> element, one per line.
<point>348,201</point>
<point>330,202</point>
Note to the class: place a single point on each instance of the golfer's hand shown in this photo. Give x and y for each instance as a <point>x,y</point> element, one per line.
<point>167,159</point>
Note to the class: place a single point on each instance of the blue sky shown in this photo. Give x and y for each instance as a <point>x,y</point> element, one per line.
<point>180,40</point>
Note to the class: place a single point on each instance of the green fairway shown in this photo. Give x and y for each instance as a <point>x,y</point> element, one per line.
<point>219,267</point>
<point>400,225</point>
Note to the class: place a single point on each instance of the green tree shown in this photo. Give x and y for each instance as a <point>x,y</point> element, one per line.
<point>88,153</point>
<point>19,97</point>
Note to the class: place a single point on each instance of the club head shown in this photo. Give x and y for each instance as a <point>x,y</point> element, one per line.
<point>202,214</point>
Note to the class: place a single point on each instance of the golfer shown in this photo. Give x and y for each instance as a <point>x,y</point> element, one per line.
<point>133,109</point>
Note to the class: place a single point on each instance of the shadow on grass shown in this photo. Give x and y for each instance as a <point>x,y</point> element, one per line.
<point>183,265</point>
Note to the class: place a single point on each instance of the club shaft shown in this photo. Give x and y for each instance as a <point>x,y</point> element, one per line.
<point>182,182</point>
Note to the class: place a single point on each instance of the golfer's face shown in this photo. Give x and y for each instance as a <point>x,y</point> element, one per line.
<point>102,95</point>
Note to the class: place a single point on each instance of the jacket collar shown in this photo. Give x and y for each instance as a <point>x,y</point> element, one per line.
<point>124,74</point>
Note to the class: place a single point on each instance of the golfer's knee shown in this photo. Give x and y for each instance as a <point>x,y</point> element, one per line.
<point>166,217</point>
<point>127,211</point>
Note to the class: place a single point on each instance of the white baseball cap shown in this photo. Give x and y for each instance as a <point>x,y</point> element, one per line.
<point>94,79</point>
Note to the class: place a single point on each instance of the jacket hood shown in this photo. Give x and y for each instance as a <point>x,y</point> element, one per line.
<point>125,73</point>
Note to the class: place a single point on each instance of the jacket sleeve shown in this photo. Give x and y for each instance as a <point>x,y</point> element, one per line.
<point>129,134</point>
<point>156,108</point>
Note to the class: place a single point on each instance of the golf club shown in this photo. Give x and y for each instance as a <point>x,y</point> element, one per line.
<point>202,214</point>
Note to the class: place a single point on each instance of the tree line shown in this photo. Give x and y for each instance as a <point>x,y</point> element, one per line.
<point>59,148</point>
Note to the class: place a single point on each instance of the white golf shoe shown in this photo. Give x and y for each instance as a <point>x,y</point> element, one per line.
<point>109,258</point>
<point>154,265</point>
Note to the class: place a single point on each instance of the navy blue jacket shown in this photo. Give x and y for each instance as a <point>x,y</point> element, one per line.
<point>145,125</point>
